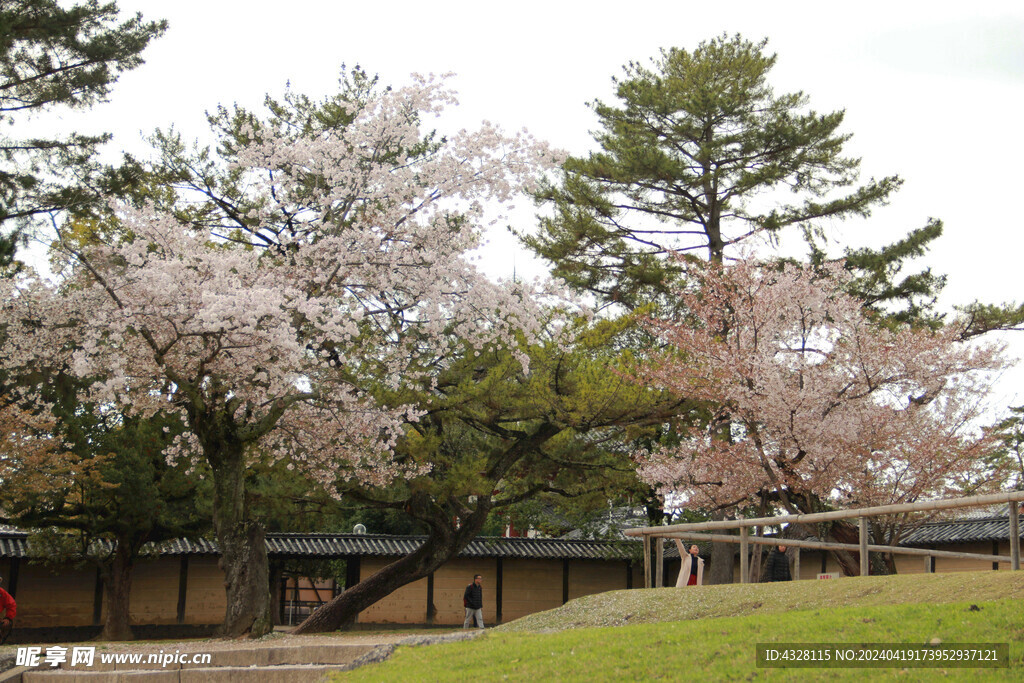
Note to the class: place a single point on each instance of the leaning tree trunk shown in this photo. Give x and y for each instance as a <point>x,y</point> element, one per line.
<point>844,531</point>
<point>841,531</point>
<point>243,552</point>
<point>442,544</point>
<point>117,586</point>
<point>342,611</point>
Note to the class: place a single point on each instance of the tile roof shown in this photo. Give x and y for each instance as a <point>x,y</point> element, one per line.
<point>15,544</point>
<point>963,514</point>
<point>375,545</point>
<point>12,545</point>
<point>960,531</point>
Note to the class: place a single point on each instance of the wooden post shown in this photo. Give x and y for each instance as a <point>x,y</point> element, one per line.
<point>927,564</point>
<point>431,610</point>
<point>353,570</point>
<point>182,588</point>
<point>97,600</point>
<point>744,560</point>
<point>12,580</point>
<point>796,564</point>
<point>865,567</point>
<point>1014,537</point>
<point>755,559</point>
<point>497,591</point>
<point>659,562</point>
<point>647,561</point>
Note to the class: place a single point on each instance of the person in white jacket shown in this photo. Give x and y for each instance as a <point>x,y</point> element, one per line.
<point>692,571</point>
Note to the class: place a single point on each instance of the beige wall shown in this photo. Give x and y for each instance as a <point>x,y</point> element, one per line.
<point>47,598</point>
<point>205,600</point>
<point>586,578</point>
<point>65,596</point>
<point>530,586</point>
<point>407,605</point>
<point>154,596</point>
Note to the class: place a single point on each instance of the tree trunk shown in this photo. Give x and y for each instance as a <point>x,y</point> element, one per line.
<point>243,553</point>
<point>845,532</point>
<point>654,508</point>
<point>756,564</point>
<point>722,558</point>
<point>842,531</point>
<point>117,585</point>
<point>441,545</point>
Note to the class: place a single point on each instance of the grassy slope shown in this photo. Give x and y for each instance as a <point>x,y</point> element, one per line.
<point>619,608</point>
<point>670,632</point>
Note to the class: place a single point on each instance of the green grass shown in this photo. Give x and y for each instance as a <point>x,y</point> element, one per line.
<point>710,633</point>
<point>626,607</point>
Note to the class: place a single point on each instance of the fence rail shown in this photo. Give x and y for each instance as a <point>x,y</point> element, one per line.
<point>690,531</point>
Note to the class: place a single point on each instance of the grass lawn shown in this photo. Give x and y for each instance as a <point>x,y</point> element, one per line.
<point>710,633</point>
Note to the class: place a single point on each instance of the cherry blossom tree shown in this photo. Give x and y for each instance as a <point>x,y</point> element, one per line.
<point>293,256</point>
<point>823,405</point>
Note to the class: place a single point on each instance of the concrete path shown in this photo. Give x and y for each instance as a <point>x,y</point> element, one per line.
<point>275,659</point>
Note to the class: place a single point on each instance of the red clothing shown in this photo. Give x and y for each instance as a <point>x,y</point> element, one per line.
<point>692,581</point>
<point>7,603</point>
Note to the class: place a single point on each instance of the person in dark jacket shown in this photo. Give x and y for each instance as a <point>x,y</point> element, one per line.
<point>473,599</point>
<point>778,565</point>
<point>10,610</point>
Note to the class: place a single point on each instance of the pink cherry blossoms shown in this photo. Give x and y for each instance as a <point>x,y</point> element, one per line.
<point>818,399</point>
<point>351,252</point>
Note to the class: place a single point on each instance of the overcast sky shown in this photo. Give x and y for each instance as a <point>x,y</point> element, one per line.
<point>933,92</point>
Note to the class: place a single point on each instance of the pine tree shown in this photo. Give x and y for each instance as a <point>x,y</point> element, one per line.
<point>698,154</point>
<point>56,57</point>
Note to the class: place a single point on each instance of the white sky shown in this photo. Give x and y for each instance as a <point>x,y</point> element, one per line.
<point>932,91</point>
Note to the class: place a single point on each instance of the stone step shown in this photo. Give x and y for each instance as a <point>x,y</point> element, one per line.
<point>271,663</point>
<point>282,664</point>
<point>241,657</point>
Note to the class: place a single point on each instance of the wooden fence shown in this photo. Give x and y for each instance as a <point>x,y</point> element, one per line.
<point>691,532</point>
